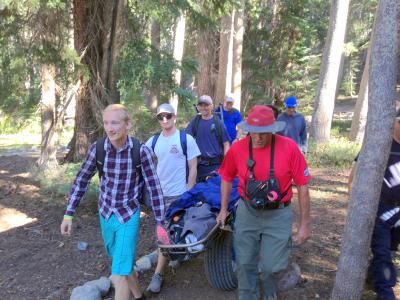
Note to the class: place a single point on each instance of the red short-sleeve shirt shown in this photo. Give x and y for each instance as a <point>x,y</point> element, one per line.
<point>289,164</point>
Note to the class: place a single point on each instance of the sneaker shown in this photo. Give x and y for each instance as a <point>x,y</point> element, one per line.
<point>155,284</point>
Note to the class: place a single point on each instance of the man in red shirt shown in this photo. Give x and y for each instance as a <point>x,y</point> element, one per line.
<point>266,165</point>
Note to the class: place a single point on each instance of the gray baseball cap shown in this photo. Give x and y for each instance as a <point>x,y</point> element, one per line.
<point>229,99</point>
<point>204,99</point>
<point>165,108</point>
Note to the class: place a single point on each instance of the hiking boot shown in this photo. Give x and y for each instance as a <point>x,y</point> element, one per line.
<point>155,284</point>
<point>291,277</point>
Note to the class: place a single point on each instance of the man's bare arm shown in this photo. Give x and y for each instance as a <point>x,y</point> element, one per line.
<point>192,173</point>
<point>304,230</point>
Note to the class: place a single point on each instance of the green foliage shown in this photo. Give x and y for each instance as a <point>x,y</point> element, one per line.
<point>60,181</point>
<point>349,85</point>
<point>339,152</point>
<point>340,128</point>
<point>18,123</point>
<point>281,54</point>
<point>141,66</point>
<point>361,18</point>
<point>144,121</point>
<point>33,32</point>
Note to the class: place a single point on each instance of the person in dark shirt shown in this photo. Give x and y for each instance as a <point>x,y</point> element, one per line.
<point>385,237</point>
<point>296,128</point>
<point>210,135</point>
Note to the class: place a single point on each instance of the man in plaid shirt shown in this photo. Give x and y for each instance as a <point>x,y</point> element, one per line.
<point>120,191</point>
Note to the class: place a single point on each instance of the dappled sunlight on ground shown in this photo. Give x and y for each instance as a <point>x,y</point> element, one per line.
<point>11,218</point>
<point>19,139</point>
<point>25,175</point>
<point>144,215</point>
<point>325,195</point>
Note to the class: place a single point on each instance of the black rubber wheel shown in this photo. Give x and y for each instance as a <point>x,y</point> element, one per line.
<point>219,264</point>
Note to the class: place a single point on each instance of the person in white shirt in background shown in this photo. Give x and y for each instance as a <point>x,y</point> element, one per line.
<point>171,170</point>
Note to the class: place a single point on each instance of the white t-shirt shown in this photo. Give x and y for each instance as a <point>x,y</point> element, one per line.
<point>171,164</point>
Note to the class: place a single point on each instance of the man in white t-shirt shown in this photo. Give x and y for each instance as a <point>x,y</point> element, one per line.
<point>176,154</point>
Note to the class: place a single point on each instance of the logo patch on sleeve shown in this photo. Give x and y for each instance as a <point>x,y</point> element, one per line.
<point>306,172</point>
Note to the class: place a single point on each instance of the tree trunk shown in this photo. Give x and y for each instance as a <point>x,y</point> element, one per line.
<point>48,150</point>
<point>47,160</point>
<point>179,43</point>
<point>325,98</point>
<point>152,90</point>
<point>273,6</point>
<point>237,56</point>
<point>224,80</point>
<point>32,76</point>
<point>85,122</point>
<point>108,29</point>
<point>205,56</point>
<point>361,110</point>
<point>99,35</point>
<point>69,103</point>
<point>373,158</point>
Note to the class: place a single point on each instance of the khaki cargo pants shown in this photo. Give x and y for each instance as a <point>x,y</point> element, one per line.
<point>262,236</point>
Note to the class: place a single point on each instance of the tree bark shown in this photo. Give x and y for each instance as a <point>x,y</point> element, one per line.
<point>224,80</point>
<point>205,56</point>
<point>47,160</point>
<point>326,89</point>
<point>361,110</point>
<point>179,43</point>
<point>48,149</point>
<point>99,35</point>
<point>237,56</point>
<point>373,158</point>
<point>107,28</point>
<point>152,90</point>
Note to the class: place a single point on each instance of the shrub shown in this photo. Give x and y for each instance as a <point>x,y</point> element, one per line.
<point>60,181</point>
<point>340,128</point>
<point>338,152</point>
<point>17,124</point>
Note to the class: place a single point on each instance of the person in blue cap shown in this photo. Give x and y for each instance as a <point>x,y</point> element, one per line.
<point>296,128</point>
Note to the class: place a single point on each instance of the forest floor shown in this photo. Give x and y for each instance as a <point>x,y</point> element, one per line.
<point>36,262</point>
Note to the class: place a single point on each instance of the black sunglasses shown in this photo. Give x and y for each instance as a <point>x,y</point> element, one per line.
<point>161,117</point>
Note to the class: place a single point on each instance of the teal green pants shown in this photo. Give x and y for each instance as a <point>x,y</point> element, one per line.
<point>120,242</point>
<point>265,237</point>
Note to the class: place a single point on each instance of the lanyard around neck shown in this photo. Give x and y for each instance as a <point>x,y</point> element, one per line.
<point>251,162</point>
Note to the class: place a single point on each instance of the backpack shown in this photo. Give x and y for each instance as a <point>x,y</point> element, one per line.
<point>135,155</point>
<point>182,137</point>
<point>218,128</point>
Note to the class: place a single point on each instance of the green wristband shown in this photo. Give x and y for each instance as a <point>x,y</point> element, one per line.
<point>68,217</point>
